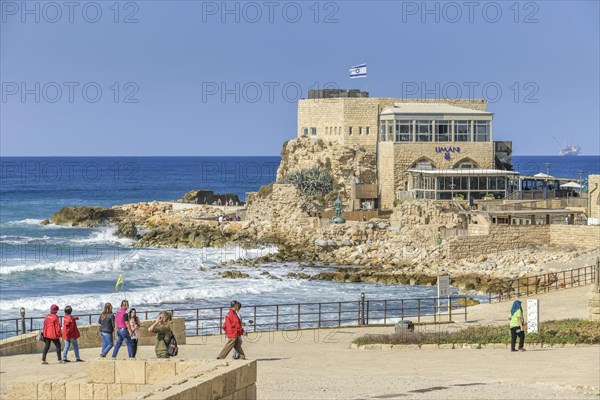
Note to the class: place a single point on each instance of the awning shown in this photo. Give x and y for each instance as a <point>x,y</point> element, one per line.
<point>573,185</point>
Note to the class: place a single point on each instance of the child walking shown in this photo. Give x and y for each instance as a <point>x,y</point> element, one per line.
<point>134,323</point>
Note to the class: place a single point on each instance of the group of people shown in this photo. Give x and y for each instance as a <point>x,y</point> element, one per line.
<point>228,218</point>
<point>125,323</point>
<point>52,333</point>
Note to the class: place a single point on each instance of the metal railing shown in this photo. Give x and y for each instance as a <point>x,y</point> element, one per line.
<point>551,281</point>
<point>208,321</point>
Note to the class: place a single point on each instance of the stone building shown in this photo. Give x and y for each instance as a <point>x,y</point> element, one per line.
<point>594,199</point>
<point>410,138</point>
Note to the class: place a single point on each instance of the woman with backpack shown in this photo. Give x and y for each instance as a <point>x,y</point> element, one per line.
<point>70,334</point>
<point>107,327</point>
<point>163,334</point>
<point>52,333</point>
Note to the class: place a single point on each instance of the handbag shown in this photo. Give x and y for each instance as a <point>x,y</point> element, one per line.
<point>40,336</point>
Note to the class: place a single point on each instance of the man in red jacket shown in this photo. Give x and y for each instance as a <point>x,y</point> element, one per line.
<point>233,330</point>
<point>52,333</point>
<point>70,334</point>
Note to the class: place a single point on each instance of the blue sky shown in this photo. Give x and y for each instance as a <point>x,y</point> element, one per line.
<point>161,67</point>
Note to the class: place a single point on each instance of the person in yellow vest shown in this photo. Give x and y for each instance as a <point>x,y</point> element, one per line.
<point>517,326</point>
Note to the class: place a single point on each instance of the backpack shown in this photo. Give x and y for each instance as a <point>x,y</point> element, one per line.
<point>172,348</point>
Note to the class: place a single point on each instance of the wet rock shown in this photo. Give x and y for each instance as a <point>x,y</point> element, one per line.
<point>234,274</point>
<point>86,216</point>
<point>127,229</point>
<point>44,222</point>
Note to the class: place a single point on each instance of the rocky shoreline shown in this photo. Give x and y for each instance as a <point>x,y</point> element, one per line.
<point>406,248</point>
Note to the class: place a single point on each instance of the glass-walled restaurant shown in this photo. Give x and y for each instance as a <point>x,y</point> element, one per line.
<point>463,183</point>
<point>402,129</point>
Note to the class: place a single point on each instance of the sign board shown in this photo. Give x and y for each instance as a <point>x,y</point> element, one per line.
<point>443,286</point>
<point>533,315</point>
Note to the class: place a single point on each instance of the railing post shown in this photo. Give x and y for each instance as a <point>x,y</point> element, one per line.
<point>385,312</point>
<point>22,320</point>
<point>367,320</point>
<point>450,308</point>
<point>197,321</point>
<point>254,318</point>
<point>402,308</point>
<point>340,313</point>
<point>465,309</point>
<point>362,309</point>
<point>298,316</point>
<point>220,320</point>
<point>418,310</point>
<point>319,323</point>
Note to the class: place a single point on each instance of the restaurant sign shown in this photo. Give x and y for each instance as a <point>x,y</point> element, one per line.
<point>447,151</point>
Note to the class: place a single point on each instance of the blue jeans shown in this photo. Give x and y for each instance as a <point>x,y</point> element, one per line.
<point>75,348</point>
<point>107,342</point>
<point>123,334</point>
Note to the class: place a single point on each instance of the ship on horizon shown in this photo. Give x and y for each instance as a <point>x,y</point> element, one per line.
<point>568,149</point>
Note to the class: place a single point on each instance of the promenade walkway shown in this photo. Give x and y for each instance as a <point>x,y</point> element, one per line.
<point>315,364</point>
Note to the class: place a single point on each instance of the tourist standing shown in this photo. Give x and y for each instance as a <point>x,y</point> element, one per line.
<point>123,330</point>
<point>107,327</point>
<point>517,326</point>
<point>70,334</point>
<point>233,330</point>
<point>134,323</point>
<point>52,333</point>
<point>163,333</point>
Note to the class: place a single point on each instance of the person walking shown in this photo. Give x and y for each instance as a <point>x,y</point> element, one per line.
<point>235,354</point>
<point>233,330</point>
<point>70,334</point>
<point>163,333</point>
<point>517,326</point>
<point>52,333</point>
<point>123,330</point>
<point>134,323</point>
<point>107,327</point>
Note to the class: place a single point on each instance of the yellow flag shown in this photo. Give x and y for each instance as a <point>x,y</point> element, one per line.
<point>119,282</point>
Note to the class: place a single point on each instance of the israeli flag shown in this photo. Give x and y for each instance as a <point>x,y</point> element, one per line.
<point>358,71</point>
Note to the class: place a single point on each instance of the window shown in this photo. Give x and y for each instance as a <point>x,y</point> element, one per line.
<point>423,131</point>
<point>482,131</point>
<point>304,131</point>
<point>423,164</point>
<point>313,131</point>
<point>390,131</point>
<point>349,130</point>
<point>404,131</point>
<point>360,130</point>
<point>367,130</point>
<point>462,131</point>
<point>466,163</point>
<point>382,130</point>
<point>442,131</point>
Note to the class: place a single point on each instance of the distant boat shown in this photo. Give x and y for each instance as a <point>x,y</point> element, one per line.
<point>568,149</point>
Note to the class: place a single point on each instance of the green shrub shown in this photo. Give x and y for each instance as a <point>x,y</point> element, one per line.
<point>311,182</point>
<point>550,332</point>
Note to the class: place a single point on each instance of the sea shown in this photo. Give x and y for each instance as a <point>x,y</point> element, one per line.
<point>42,265</point>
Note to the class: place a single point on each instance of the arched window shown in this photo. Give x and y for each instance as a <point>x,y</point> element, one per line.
<point>423,164</point>
<point>465,163</point>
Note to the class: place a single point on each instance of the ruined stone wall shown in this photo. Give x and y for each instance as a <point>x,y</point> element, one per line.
<point>594,199</point>
<point>580,236</point>
<point>426,212</point>
<point>343,163</point>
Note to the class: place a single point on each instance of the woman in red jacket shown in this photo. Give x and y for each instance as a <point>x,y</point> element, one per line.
<point>70,334</point>
<point>52,333</point>
<point>233,330</point>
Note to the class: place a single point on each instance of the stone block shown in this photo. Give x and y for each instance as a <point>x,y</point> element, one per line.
<point>385,346</point>
<point>499,346</point>
<point>429,346</point>
<point>59,391</point>
<point>102,371</point>
<point>240,394</point>
<point>446,346</point>
<point>114,390</point>
<point>101,391</point>
<point>72,391</point>
<point>204,390</point>
<point>251,392</point>
<point>181,366</point>
<point>86,391</point>
<point>22,390</point>
<point>127,389</point>
<point>44,391</point>
<point>130,371</point>
<point>159,370</point>
<point>371,347</point>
